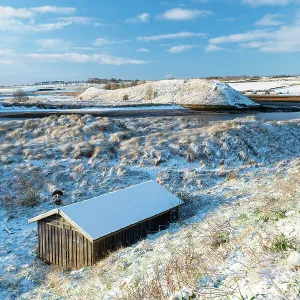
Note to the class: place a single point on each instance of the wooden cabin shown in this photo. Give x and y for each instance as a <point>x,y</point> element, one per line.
<point>80,234</point>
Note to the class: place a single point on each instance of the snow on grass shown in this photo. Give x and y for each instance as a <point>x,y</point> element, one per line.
<point>291,90</point>
<point>193,91</point>
<point>36,88</point>
<point>239,180</point>
<point>231,252</point>
<point>262,85</point>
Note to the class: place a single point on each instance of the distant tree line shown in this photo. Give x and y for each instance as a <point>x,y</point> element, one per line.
<point>115,85</point>
<point>111,80</point>
<point>245,77</point>
<point>230,78</point>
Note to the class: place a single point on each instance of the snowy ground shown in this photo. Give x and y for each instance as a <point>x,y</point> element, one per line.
<point>261,85</point>
<point>291,90</point>
<point>49,97</point>
<point>179,91</point>
<point>277,86</point>
<point>163,94</point>
<point>243,174</point>
<point>34,88</point>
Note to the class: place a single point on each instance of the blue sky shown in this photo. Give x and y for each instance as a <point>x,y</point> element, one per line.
<point>150,39</point>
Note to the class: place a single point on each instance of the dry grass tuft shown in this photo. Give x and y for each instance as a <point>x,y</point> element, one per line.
<point>26,190</point>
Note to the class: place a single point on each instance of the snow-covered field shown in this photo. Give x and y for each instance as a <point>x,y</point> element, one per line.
<point>55,95</point>
<point>261,85</point>
<point>279,86</point>
<point>163,94</point>
<point>291,90</point>
<point>239,229</point>
<point>179,91</point>
<point>35,88</point>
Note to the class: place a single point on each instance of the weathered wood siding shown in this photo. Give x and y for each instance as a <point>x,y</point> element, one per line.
<point>62,245</point>
<point>130,235</point>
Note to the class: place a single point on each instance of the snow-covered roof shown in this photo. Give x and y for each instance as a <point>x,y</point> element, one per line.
<point>100,216</point>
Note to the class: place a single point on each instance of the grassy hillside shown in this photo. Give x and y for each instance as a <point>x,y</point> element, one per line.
<point>238,234</point>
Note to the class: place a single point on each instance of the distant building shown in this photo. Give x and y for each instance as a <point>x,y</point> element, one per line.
<point>80,234</point>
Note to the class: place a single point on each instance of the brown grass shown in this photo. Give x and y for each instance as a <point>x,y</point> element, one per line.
<point>274,98</point>
<point>26,191</point>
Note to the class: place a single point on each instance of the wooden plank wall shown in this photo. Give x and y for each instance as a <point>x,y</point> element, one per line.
<point>132,234</point>
<point>62,245</point>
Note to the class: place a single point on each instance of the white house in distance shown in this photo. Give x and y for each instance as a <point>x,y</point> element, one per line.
<point>79,234</point>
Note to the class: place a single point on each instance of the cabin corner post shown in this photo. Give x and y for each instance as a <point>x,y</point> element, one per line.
<point>94,253</point>
<point>39,239</point>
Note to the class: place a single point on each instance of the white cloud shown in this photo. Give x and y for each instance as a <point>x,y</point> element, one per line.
<point>284,39</point>
<point>48,26</point>
<point>97,24</point>
<point>213,48</point>
<point>83,58</point>
<point>180,14</point>
<point>241,37</point>
<point>6,62</point>
<point>143,50</point>
<point>169,76</point>
<point>21,19</point>
<point>8,56</point>
<point>52,43</point>
<point>169,36</point>
<point>7,12</point>
<point>270,20</point>
<point>142,18</point>
<point>80,20</point>
<point>84,48</point>
<point>180,48</point>
<point>6,51</point>
<point>103,41</point>
<point>18,26</point>
<point>252,45</point>
<point>268,2</point>
<point>53,9</point>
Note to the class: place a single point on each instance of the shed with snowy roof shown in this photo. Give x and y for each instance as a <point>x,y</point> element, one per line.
<point>80,234</point>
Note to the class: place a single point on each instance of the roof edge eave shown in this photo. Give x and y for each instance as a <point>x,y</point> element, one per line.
<point>44,215</point>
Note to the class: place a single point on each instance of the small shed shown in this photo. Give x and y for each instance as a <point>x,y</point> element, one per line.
<point>80,234</point>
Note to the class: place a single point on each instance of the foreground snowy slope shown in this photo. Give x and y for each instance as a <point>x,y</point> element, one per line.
<point>193,91</point>
<point>243,174</point>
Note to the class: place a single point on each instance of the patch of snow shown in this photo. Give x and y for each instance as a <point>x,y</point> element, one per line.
<point>193,92</point>
<point>35,88</point>
<point>291,90</point>
<point>213,165</point>
<point>293,260</point>
<point>261,85</point>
